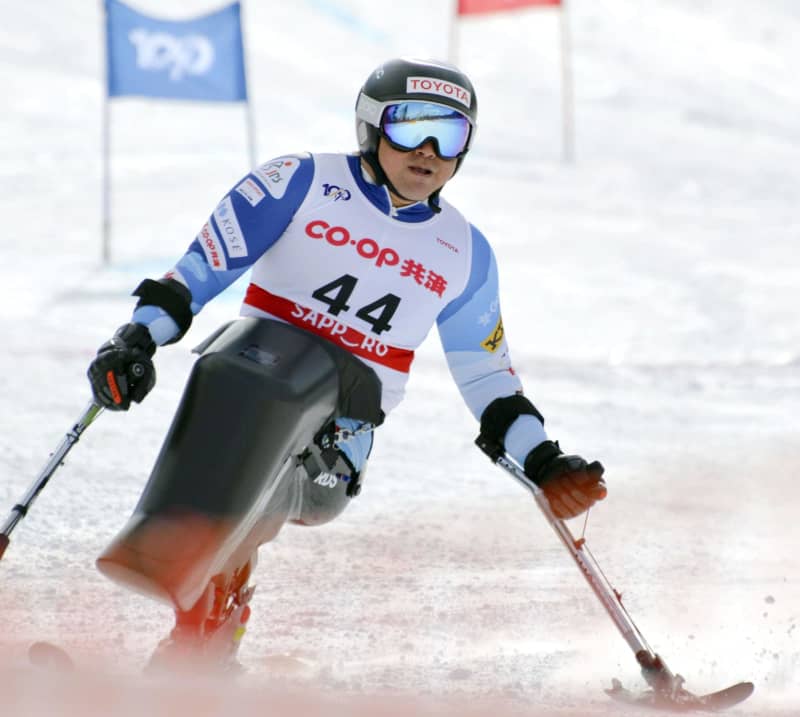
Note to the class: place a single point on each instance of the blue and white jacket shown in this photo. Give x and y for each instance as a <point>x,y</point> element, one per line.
<point>329,253</point>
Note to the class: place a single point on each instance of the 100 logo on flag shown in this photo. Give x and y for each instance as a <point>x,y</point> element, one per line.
<point>180,56</point>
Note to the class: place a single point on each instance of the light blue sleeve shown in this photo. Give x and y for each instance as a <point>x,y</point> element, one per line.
<point>247,221</point>
<point>475,345</point>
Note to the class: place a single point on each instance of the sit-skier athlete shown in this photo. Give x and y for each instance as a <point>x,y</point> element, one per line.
<point>353,258</point>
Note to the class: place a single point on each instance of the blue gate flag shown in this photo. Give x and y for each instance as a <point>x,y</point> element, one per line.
<point>199,59</point>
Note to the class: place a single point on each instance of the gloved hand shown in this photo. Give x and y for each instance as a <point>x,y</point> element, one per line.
<point>570,485</point>
<point>123,371</point>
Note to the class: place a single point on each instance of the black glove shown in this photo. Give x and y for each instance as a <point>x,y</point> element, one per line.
<point>570,485</point>
<point>122,370</point>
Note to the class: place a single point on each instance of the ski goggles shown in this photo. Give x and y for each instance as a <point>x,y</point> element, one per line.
<point>408,125</point>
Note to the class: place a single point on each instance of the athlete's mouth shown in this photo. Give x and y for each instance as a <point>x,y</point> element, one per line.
<point>423,171</point>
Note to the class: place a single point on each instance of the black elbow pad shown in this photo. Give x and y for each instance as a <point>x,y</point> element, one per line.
<point>171,296</point>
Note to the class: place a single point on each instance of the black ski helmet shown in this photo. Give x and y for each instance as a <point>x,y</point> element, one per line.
<point>403,79</point>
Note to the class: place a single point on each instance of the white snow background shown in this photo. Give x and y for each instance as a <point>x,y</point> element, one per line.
<point>649,293</point>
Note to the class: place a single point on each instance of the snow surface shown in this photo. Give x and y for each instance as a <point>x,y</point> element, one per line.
<point>648,293</point>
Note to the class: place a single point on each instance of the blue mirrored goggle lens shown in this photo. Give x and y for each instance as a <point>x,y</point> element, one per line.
<point>410,124</point>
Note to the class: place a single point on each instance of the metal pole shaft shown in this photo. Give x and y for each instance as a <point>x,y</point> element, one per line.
<point>608,597</point>
<point>20,510</point>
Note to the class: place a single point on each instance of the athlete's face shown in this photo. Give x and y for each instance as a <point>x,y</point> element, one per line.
<point>416,174</point>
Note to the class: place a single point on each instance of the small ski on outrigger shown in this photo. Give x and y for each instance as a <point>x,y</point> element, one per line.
<point>666,690</point>
<point>682,700</point>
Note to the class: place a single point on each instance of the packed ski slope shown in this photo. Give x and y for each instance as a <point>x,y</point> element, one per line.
<point>649,295</point>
